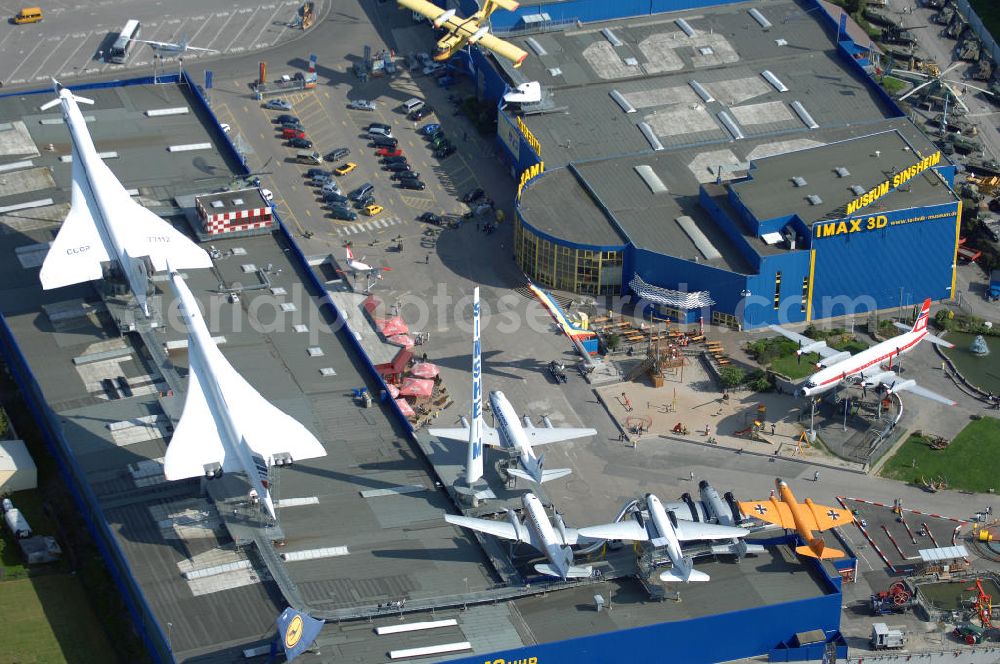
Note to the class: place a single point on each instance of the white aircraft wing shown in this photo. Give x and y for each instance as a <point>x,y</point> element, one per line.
<point>896,385</point>
<point>196,442</point>
<point>502,529</point>
<point>805,342</point>
<point>143,233</point>
<point>78,250</point>
<point>545,435</point>
<point>688,531</point>
<point>266,429</point>
<point>428,9</point>
<point>627,529</point>
<point>461,434</point>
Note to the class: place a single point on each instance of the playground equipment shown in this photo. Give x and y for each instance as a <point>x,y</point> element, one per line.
<point>937,442</point>
<point>934,484</point>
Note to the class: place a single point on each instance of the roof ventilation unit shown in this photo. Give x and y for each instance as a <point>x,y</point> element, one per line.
<point>555,71</point>
<point>611,37</point>
<point>701,91</point>
<point>857,189</point>
<point>631,62</point>
<point>685,27</point>
<point>841,171</point>
<point>814,199</point>
<point>757,16</point>
<point>621,101</point>
<point>730,125</point>
<point>647,131</point>
<point>774,80</point>
<point>803,114</point>
<point>799,181</point>
<point>535,46</point>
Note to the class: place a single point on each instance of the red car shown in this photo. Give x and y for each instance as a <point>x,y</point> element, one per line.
<point>389,152</point>
<point>288,132</point>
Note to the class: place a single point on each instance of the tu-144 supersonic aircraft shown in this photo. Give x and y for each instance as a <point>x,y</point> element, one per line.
<point>474,29</point>
<point>226,425</point>
<point>866,368</point>
<point>181,46</point>
<point>105,226</point>
<point>664,530</point>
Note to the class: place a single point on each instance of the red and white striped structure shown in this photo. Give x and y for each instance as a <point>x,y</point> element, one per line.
<point>233,211</point>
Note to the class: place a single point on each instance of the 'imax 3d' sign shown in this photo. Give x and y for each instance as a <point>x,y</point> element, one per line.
<point>896,180</point>
<point>858,224</point>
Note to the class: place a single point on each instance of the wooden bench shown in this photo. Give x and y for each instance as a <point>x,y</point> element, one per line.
<point>723,361</point>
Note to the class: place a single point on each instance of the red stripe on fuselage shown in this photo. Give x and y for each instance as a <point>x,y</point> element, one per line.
<point>877,360</point>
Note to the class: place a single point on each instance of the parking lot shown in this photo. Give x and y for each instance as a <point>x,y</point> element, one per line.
<point>898,538</point>
<point>58,47</point>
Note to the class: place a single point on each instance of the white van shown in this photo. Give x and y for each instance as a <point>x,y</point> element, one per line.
<point>412,104</point>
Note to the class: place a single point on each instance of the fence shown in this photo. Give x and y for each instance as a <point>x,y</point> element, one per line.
<point>980,29</point>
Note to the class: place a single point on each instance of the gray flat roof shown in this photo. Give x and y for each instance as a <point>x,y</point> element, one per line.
<point>648,219</point>
<point>868,161</point>
<point>727,56</point>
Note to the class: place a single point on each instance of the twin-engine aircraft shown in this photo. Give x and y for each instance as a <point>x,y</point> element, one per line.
<point>474,29</point>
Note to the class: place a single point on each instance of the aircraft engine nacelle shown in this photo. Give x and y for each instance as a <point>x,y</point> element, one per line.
<point>444,18</point>
<point>519,530</point>
<point>213,471</point>
<point>547,422</point>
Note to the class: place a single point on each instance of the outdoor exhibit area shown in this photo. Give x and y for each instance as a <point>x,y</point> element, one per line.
<point>969,462</point>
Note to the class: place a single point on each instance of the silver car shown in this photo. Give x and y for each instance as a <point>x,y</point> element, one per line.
<point>361,105</point>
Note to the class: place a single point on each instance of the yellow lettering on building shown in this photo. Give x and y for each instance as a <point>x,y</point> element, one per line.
<point>897,180</point>
<point>831,228</point>
<point>527,174</point>
<point>526,660</point>
<point>528,136</point>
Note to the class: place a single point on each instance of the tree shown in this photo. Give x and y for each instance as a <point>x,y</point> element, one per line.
<point>731,377</point>
<point>612,341</point>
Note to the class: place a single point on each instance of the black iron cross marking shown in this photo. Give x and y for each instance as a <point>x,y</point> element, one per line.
<point>760,509</point>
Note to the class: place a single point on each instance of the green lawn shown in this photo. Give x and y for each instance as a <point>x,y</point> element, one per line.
<point>47,619</point>
<point>893,85</point>
<point>970,463</point>
<point>989,11</point>
<point>789,365</point>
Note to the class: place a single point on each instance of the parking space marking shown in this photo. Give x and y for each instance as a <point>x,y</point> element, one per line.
<point>24,59</point>
<point>83,40</point>
<point>268,22</point>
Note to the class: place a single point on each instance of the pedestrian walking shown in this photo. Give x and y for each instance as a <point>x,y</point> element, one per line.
<point>772,428</point>
<point>427,259</point>
<point>815,476</point>
<point>691,476</point>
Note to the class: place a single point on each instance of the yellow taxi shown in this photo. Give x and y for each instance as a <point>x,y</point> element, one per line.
<point>344,169</point>
<point>372,210</point>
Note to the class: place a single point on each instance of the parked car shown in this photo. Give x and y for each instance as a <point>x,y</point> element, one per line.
<point>343,213</point>
<point>361,105</point>
<point>362,191</point>
<point>430,218</point>
<point>332,186</point>
<point>338,154</point>
<point>277,105</point>
<point>396,167</point>
<point>292,125</point>
<point>473,196</point>
<point>384,130</point>
<point>365,202</point>
<point>393,160</point>
<point>320,180</point>
<point>292,133</point>
<point>284,117</point>
<point>373,209</point>
<point>300,143</point>
<point>429,129</point>
<point>445,152</point>
<point>314,173</point>
<point>333,198</point>
<point>344,169</point>
<point>436,136</point>
<point>383,142</point>
<point>439,143</point>
<point>420,113</point>
<point>379,125</point>
<point>267,195</point>
<point>405,175</point>
<point>412,184</point>
<point>389,152</point>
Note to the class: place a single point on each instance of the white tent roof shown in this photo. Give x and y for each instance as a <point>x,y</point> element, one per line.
<point>943,554</point>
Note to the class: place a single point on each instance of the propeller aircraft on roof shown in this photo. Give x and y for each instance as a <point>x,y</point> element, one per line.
<point>473,29</point>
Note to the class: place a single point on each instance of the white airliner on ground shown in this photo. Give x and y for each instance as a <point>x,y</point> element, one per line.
<point>536,530</point>
<point>358,266</point>
<point>866,367</point>
<point>663,530</point>
<point>104,223</point>
<point>226,424</point>
<point>171,47</point>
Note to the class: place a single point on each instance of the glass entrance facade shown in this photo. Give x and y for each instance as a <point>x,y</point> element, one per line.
<point>573,268</point>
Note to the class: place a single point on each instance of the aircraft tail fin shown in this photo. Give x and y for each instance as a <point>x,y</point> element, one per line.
<point>920,324</point>
<point>683,571</point>
<point>58,87</point>
<point>350,253</point>
<point>534,472</point>
<point>938,340</point>
<point>474,458</point>
<point>817,549</point>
